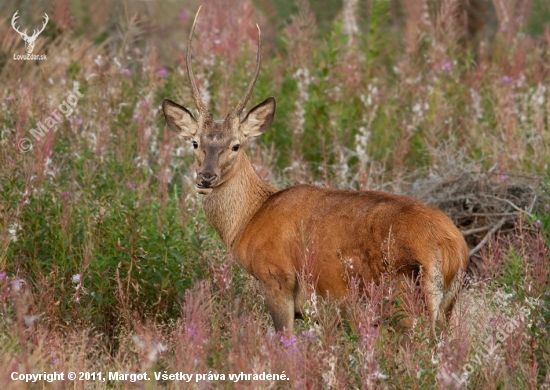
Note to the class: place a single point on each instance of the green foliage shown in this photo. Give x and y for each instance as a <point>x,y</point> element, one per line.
<point>107,245</point>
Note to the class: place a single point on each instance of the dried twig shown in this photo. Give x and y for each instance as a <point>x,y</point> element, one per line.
<point>475,230</point>
<point>487,236</point>
<point>533,203</point>
<point>509,202</point>
<point>489,214</point>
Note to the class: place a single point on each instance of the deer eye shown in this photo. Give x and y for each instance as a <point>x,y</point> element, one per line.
<point>236,147</point>
<point>195,145</point>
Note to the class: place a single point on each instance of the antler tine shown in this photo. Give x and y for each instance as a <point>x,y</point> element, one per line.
<point>13,19</point>
<point>44,23</point>
<point>242,103</point>
<point>196,94</point>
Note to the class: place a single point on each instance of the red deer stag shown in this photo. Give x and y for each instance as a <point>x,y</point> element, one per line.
<point>259,224</point>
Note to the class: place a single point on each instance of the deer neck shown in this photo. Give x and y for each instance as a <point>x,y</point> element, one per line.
<point>230,206</point>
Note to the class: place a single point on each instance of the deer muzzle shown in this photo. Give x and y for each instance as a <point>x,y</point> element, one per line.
<point>206,179</point>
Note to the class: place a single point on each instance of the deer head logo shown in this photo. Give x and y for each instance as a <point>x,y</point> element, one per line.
<point>29,41</point>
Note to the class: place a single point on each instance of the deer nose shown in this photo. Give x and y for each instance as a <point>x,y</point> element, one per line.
<point>207,178</point>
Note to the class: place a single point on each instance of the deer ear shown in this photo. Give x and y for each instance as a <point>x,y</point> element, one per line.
<point>179,119</point>
<point>257,121</point>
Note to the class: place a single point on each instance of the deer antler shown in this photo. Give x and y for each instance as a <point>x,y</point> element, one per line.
<point>36,33</point>
<point>196,94</point>
<point>242,103</point>
<point>24,34</point>
<point>15,16</point>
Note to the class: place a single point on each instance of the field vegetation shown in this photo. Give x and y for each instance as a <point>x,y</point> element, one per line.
<point>107,263</point>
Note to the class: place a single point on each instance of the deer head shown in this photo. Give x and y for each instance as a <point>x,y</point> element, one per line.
<point>29,41</point>
<point>218,143</point>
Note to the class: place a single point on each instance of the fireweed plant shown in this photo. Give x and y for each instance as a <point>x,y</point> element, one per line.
<point>107,262</point>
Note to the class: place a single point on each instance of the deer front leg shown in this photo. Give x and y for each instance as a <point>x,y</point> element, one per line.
<point>279,294</point>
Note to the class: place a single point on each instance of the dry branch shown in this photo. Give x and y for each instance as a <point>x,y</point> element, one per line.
<point>481,204</point>
<point>487,236</point>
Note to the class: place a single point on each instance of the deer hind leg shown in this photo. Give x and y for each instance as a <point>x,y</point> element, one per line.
<point>279,293</point>
<point>449,297</point>
<point>434,287</point>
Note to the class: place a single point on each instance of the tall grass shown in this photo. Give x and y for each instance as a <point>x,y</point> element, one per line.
<point>108,264</point>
